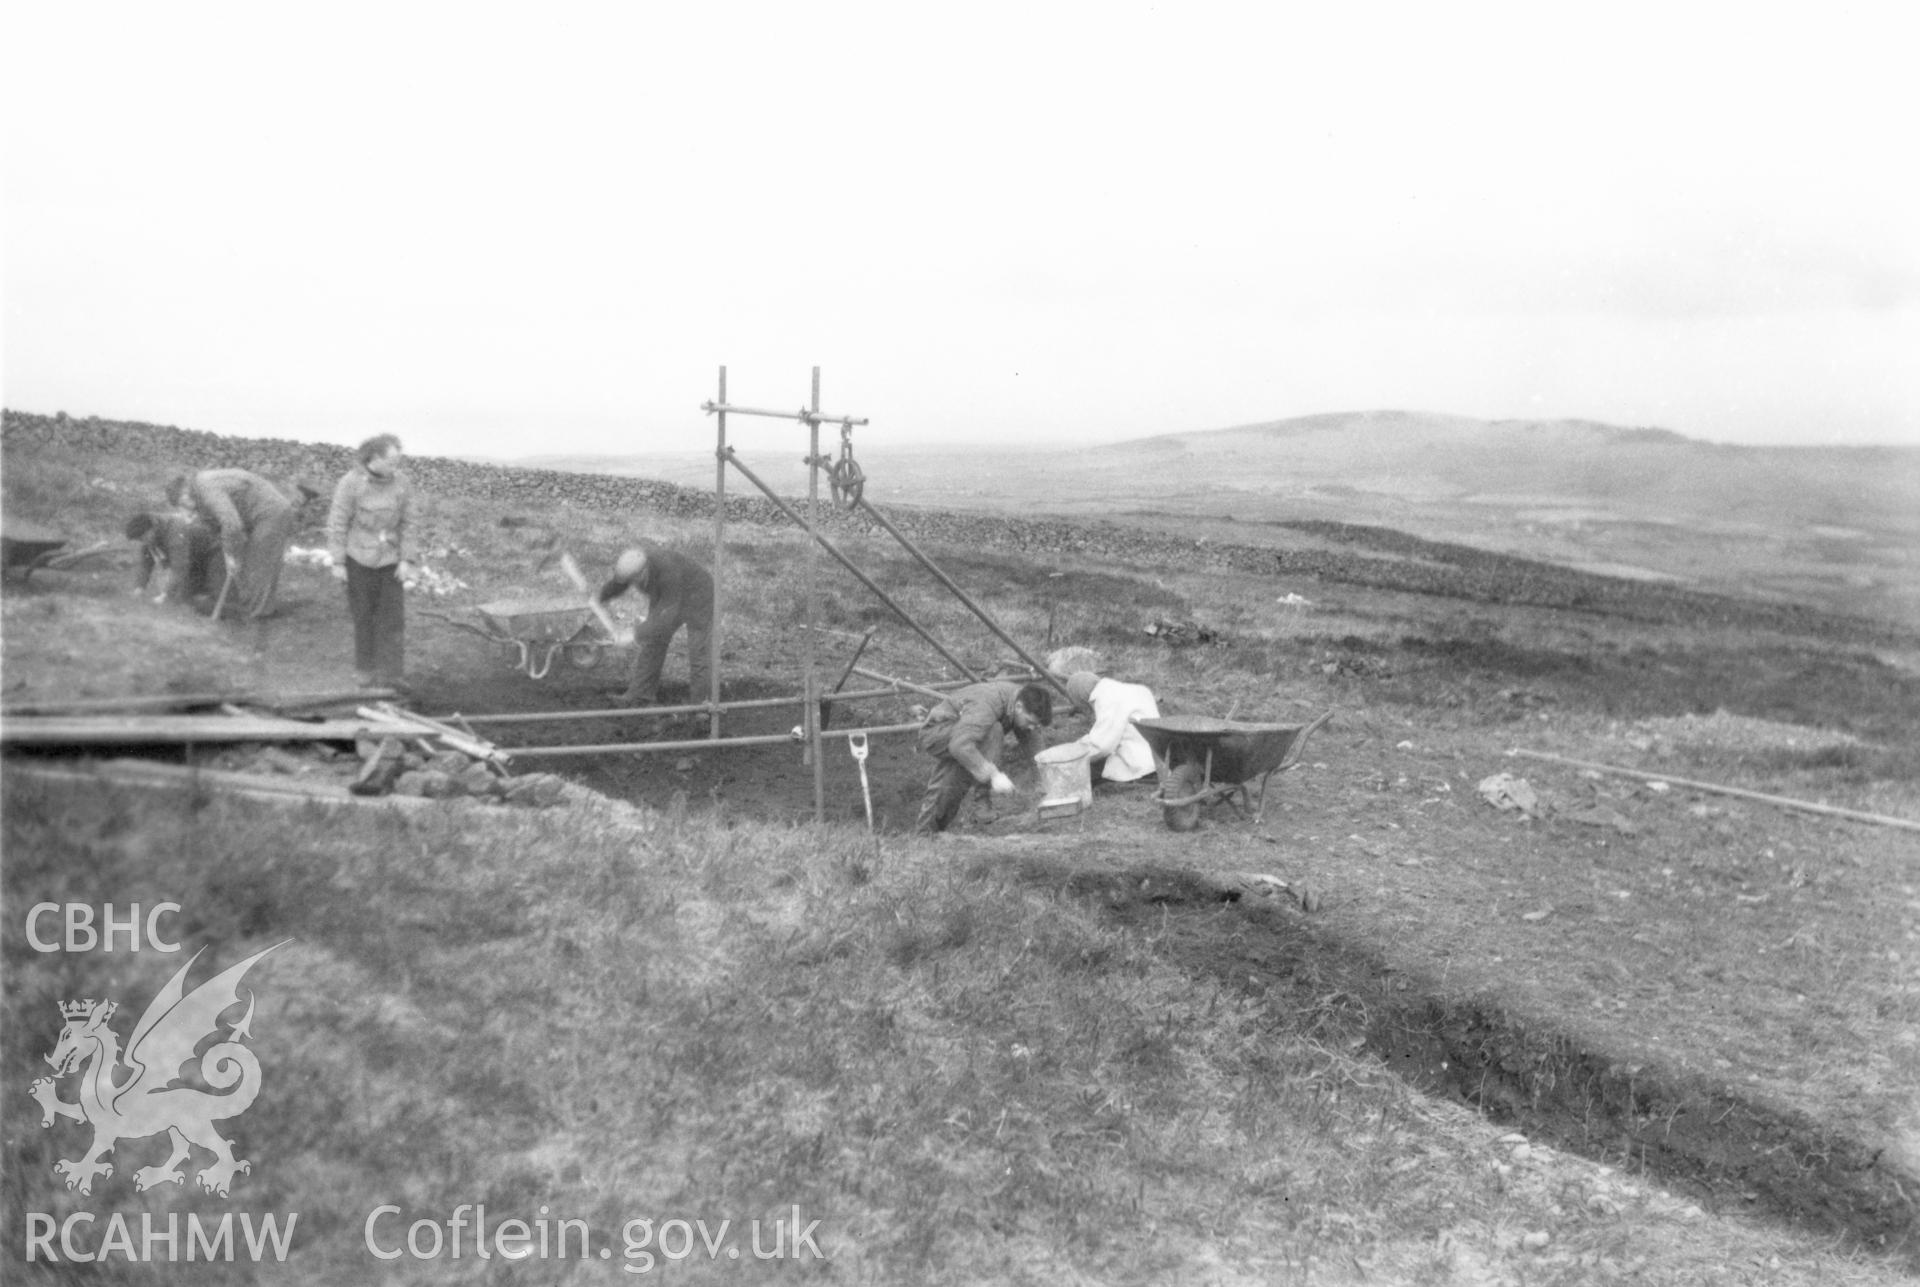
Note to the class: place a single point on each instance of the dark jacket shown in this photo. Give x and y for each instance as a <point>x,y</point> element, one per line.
<point>188,548</point>
<point>677,587</point>
<point>236,501</point>
<point>966,717</point>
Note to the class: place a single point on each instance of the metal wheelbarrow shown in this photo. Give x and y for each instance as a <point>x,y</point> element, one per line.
<point>536,631</point>
<point>29,546</point>
<point>1203,760</point>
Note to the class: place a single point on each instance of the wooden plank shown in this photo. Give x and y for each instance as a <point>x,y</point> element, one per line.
<point>156,702</point>
<point>465,743</point>
<point>174,778</point>
<point>78,730</point>
<point>1785,802</point>
<point>163,702</point>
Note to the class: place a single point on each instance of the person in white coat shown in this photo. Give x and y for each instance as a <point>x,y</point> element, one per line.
<point>1119,752</point>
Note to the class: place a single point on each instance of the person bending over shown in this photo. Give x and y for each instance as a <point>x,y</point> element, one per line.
<point>966,733</point>
<point>678,592</point>
<point>255,522</point>
<point>189,550</point>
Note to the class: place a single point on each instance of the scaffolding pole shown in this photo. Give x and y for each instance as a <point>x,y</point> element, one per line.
<point>702,708</point>
<point>826,544</point>
<point>810,716</point>
<point>953,588</point>
<point>698,744</point>
<point>719,556</point>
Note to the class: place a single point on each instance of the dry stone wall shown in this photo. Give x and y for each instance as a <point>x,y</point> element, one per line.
<point>1375,557</point>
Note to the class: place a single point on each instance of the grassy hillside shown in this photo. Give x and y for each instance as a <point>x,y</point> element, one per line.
<point>952,1074</point>
<point>1042,1050</point>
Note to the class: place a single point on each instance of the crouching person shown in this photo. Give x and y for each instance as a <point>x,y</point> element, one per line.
<point>1117,750</point>
<point>187,548</point>
<point>965,735</point>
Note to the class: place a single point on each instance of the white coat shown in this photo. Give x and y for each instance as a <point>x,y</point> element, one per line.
<point>1115,706</point>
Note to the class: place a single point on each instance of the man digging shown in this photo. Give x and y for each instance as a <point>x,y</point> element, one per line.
<point>966,734</point>
<point>678,592</point>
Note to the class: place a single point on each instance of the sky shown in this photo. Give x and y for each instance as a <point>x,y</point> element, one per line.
<point>510,230</point>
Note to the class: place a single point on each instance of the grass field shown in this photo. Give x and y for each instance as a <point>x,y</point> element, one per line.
<point>1042,1051</point>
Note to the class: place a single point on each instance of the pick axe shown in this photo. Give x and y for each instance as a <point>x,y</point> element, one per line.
<point>225,585</point>
<point>575,575</point>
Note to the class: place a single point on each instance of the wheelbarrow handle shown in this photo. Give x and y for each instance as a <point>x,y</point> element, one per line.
<point>488,635</point>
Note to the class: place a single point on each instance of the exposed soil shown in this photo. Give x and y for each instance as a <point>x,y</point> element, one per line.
<point>1656,977</point>
<point>1731,1149</point>
<point>772,781</point>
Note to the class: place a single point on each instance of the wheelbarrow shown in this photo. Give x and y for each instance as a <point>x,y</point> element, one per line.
<point>537,631</point>
<point>28,546</point>
<point>1203,760</point>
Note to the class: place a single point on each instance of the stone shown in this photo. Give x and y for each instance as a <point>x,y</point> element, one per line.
<point>275,760</point>
<point>382,766</point>
<point>447,762</point>
<point>535,790</point>
<point>430,783</point>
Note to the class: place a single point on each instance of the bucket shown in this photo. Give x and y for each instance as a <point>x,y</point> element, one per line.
<point>1066,783</point>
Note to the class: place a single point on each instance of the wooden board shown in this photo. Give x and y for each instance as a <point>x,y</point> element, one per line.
<point>160,703</point>
<point>174,778</point>
<point>147,730</point>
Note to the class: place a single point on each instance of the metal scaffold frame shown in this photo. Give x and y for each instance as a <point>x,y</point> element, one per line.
<point>847,486</point>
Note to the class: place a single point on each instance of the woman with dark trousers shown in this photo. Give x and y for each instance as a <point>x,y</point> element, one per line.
<point>367,538</point>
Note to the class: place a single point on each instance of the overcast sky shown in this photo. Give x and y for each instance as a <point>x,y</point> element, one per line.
<point>510,230</point>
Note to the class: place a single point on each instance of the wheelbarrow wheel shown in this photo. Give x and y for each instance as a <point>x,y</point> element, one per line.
<point>1182,782</point>
<point>583,656</point>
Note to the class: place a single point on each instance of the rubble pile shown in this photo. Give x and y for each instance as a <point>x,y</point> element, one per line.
<point>380,766</point>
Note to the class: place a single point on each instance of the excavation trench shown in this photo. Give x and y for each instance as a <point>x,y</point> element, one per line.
<point>1728,1149</point>
<point>770,781</point>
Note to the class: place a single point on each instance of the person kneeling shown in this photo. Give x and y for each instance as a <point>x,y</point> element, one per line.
<point>965,735</point>
<point>1117,751</point>
<point>188,550</point>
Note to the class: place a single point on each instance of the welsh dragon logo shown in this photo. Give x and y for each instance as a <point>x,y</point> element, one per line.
<point>150,1097</point>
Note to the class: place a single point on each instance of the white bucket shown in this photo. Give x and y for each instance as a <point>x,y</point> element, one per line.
<point>1066,782</point>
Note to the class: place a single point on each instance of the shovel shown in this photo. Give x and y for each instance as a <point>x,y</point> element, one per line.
<point>857,745</point>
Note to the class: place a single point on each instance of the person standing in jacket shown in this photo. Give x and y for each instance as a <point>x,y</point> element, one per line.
<point>255,522</point>
<point>679,592</point>
<point>965,735</point>
<point>367,540</point>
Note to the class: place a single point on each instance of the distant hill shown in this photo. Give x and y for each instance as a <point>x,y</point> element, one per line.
<point>1834,525</point>
<point>1560,468</point>
<point>1651,474</point>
